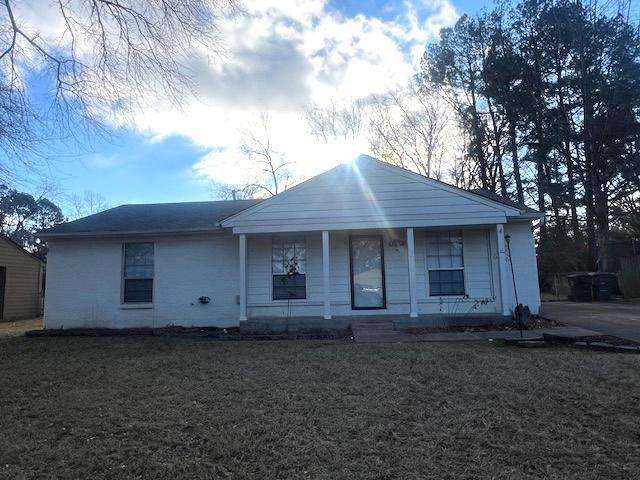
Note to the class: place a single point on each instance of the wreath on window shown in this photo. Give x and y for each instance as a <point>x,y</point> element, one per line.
<point>291,268</point>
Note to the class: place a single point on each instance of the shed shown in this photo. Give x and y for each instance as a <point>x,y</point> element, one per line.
<point>21,281</point>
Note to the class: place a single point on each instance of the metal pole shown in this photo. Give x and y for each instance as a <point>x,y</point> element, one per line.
<point>515,290</point>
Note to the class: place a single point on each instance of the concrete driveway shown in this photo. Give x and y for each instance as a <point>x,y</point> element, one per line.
<point>620,319</point>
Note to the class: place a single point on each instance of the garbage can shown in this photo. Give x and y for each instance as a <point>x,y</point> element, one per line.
<point>580,287</point>
<point>604,286</point>
<point>590,287</point>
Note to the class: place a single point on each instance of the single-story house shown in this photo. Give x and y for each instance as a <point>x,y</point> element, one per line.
<point>21,282</point>
<point>364,238</point>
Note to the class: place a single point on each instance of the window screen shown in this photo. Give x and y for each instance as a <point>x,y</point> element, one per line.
<point>445,263</point>
<point>289,268</point>
<point>138,273</point>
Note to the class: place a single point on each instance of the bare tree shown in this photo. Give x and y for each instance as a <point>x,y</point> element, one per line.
<point>86,204</point>
<point>108,58</point>
<point>405,127</point>
<point>268,173</point>
<point>462,169</point>
<point>271,174</point>
<point>236,191</point>
<point>343,121</point>
<point>409,129</point>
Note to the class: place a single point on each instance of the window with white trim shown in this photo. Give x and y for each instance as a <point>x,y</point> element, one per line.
<point>137,273</point>
<point>289,269</point>
<point>445,264</point>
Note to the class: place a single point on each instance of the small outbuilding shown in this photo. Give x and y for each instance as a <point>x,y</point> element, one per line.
<point>21,282</point>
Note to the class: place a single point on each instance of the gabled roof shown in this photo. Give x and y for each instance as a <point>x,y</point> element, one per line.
<point>19,247</point>
<point>368,193</point>
<point>155,217</point>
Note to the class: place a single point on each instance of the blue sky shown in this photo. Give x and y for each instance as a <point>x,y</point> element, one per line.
<point>344,50</point>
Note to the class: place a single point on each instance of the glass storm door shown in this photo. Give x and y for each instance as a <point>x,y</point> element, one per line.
<point>367,273</point>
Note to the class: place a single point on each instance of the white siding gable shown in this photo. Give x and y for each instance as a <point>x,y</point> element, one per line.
<point>368,194</point>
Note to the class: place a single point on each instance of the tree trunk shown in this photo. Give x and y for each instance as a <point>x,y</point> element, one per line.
<point>589,164</point>
<point>571,187</point>
<point>555,204</point>
<point>497,149</point>
<point>540,177</point>
<point>590,217</point>
<point>601,211</point>
<point>515,160</point>
<point>477,139</point>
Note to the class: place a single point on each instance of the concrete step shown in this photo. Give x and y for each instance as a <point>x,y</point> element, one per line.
<point>368,321</point>
<point>374,326</point>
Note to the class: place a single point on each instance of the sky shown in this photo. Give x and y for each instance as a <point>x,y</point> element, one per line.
<point>283,56</point>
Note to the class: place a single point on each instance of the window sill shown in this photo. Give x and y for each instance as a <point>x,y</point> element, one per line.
<point>436,299</point>
<point>284,301</point>
<point>136,306</point>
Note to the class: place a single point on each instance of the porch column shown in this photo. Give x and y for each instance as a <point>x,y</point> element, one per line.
<point>326,275</point>
<point>411,260</point>
<point>243,277</point>
<point>502,270</point>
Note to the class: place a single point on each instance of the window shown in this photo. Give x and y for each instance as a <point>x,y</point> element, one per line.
<point>138,273</point>
<point>289,268</point>
<point>445,263</point>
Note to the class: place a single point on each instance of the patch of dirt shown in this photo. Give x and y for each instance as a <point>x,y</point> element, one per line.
<point>16,328</point>
<point>215,333</point>
<point>533,324</point>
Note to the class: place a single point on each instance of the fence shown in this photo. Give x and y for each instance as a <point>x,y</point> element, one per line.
<point>554,286</point>
<point>630,273</point>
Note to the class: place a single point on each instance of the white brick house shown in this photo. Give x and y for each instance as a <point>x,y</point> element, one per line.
<point>364,238</point>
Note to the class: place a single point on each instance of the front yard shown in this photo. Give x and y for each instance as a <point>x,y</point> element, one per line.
<point>150,407</point>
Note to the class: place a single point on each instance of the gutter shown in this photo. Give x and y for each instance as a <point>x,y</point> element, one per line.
<point>118,233</point>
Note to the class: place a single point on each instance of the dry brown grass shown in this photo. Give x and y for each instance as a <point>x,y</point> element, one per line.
<point>18,327</point>
<point>150,407</point>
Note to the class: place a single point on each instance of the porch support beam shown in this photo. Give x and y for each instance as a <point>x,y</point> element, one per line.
<point>502,270</point>
<point>326,275</point>
<point>243,277</point>
<point>411,260</point>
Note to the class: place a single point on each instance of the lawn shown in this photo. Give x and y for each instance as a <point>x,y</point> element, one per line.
<point>149,407</point>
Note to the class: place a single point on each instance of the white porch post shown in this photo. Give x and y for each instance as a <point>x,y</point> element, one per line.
<point>243,277</point>
<point>326,275</point>
<point>502,270</point>
<point>411,260</point>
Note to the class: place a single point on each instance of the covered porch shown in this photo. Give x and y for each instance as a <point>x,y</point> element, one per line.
<point>417,275</point>
<point>381,240</point>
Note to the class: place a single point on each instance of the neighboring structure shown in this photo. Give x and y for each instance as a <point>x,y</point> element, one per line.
<point>21,282</point>
<point>365,238</point>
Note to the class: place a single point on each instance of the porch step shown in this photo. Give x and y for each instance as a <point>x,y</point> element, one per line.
<point>373,326</point>
<point>369,322</point>
<point>375,330</point>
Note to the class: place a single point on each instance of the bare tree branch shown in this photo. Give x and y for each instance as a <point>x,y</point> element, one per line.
<point>109,58</point>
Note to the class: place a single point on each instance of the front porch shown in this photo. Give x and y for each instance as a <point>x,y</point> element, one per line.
<point>403,281</point>
<point>381,240</point>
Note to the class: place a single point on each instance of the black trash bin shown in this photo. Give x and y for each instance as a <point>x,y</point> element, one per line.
<point>604,286</point>
<point>580,287</point>
<point>590,287</point>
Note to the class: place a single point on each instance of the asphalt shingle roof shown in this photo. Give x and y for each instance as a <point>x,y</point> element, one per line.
<point>500,199</point>
<point>154,217</point>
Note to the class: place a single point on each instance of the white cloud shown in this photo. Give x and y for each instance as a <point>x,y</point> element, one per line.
<point>284,56</point>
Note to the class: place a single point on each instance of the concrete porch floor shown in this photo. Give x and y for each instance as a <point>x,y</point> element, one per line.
<point>301,324</point>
